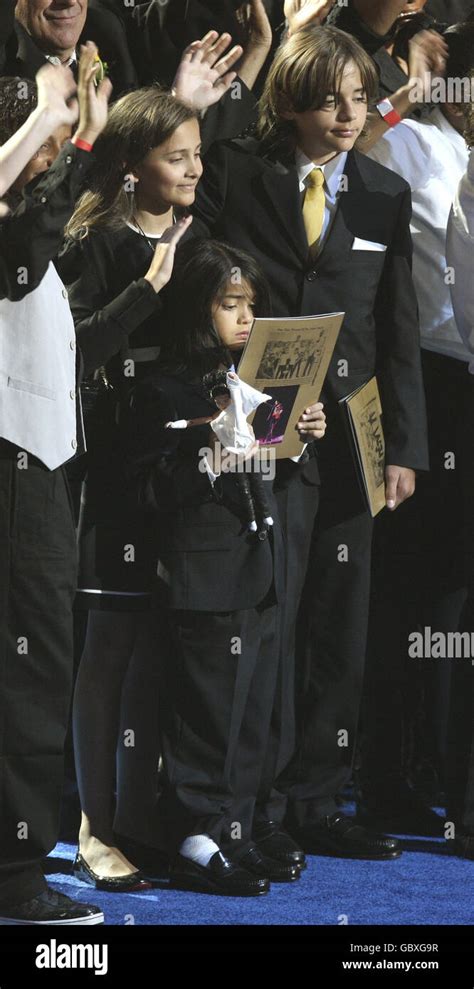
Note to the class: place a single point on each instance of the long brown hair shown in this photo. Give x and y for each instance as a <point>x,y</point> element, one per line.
<point>138,122</point>
<point>305,70</point>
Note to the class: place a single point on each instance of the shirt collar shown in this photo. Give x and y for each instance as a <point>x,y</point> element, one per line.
<point>57,61</point>
<point>332,170</point>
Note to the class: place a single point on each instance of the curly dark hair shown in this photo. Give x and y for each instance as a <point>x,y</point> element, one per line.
<point>18,98</point>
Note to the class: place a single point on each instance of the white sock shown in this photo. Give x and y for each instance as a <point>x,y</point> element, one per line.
<point>199,848</point>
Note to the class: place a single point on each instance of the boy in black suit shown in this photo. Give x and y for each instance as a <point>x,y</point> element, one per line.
<point>337,241</point>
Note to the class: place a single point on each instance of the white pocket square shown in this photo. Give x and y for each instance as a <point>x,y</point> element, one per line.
<point>367,245</point>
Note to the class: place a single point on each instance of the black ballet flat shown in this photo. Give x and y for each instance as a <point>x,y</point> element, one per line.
<point>134,883</point>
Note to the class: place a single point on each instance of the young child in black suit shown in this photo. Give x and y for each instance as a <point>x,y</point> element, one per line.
<point>221,584</point>
<point>331,232</point>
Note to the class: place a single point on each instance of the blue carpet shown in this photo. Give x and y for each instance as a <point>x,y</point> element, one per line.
<point>425,886</point>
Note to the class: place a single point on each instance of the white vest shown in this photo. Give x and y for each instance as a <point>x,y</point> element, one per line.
<point>38,372</point>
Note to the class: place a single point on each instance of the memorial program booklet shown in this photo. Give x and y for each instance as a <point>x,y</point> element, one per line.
<point>363,411</point>
<point>287,359</point>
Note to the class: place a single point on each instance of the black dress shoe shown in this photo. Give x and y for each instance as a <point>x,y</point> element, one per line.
<point>262,865</point>
<point>133,883</point>
<point>220,877</point>
<point>275,843</point>
<point>51,908</point>
<point>403,812</point>
<point>341,837</point>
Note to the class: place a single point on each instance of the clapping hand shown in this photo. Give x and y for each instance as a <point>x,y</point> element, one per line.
<point>205,74</point>
<point>304,13</point>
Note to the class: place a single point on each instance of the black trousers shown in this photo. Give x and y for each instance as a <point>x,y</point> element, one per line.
<point>298,500</point>
<point>37,584</point>
<point>421,565</point>
<point>218,693</point>
<point>331,644</point>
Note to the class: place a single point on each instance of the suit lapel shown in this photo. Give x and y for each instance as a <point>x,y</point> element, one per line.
<point>27,53</point>
<point>281,188</point>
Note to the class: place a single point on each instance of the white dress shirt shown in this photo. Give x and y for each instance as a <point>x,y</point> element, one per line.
<point>57,61</point>
<point>432,157</point>
<point>460,256</point>
<point>332,171</point>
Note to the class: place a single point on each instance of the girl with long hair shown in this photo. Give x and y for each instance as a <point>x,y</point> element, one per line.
<point>122,238</point>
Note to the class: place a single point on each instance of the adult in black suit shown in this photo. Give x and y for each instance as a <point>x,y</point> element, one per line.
<point>251,195</point>
<point>43,31</point>
<point>53,30</point>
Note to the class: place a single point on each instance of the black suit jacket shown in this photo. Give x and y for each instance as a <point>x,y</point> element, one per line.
<point>254,202</point>
<point>214,564</point>
<point>21,56</point>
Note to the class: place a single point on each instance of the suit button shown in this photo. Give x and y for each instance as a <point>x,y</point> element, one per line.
<point>68,160</point>
<point>311,275</point>
<point>43,199</point>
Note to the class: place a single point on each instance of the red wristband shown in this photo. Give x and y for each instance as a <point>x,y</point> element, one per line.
<point>393,118</point>
<point>83,145</point>
<point>388,113</point>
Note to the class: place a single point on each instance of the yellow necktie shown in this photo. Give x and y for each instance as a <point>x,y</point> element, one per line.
<point>313,208</point>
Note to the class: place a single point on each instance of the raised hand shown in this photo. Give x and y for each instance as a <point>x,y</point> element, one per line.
<point>161,268</point>
<point>205,73</point>
<point>93,100</point>
<point>255,24</point>
<point>303,13</point>
<point>57,95</point>
<point>427,55</point>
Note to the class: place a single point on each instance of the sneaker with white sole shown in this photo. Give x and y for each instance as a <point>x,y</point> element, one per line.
<point>51,907</point>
